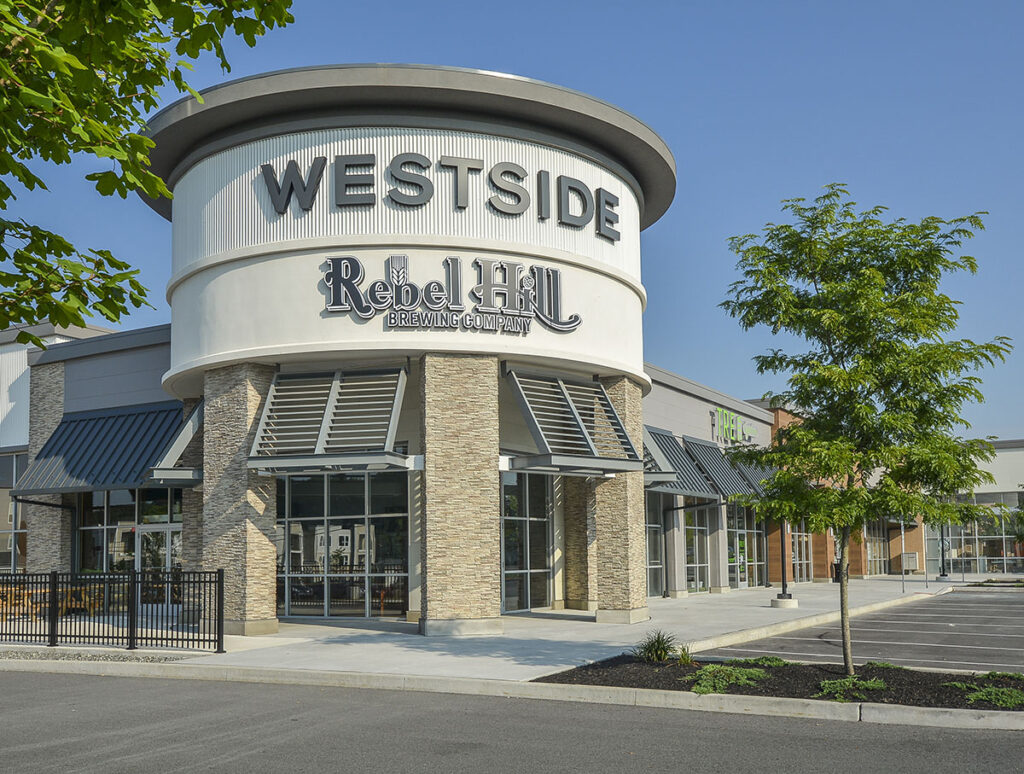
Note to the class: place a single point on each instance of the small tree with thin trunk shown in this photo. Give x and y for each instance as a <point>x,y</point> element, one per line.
<point>874,378</point>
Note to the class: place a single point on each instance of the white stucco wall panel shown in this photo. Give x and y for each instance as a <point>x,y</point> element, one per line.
<point>272,309</point>
<point>222,205</point>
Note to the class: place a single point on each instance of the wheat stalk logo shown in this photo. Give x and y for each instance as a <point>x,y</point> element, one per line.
<point>399,269</point>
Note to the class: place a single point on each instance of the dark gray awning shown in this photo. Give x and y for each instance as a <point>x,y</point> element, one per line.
<point>713,463</point>
<point>688,478</point>
<point>754,474</point>
<point>103,449</point>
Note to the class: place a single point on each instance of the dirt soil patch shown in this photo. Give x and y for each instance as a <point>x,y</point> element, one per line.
<point>802,681</point>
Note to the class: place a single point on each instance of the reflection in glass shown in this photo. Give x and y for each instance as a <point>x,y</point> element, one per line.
<point>389,544</point>
<point>153,506</point>
<point>515,591</point>
<point>121,508</point>
<point>307,596</point>
<point>511,495</point>
<point>389,493</point>
<point>91,549</point>
<point>306,546</point>
<point>307,496</point>
<point>515,544</point>
<point>539,589</point>
<point>389,595</point>
<point>346,545</point>
<point>346,495</point>
<point>92,509</point>
<point>348,596</point>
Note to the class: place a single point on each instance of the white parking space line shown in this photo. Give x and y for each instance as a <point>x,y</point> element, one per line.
<point>938,623</point>
<point>855,628</point>
<point>913,644</point>
<point>956,615</point>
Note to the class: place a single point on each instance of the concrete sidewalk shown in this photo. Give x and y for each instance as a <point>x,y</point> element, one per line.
<point>542,643</point>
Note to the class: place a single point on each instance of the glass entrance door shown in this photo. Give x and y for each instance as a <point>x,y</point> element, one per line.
<point>739,551</point>
<point>157,549</point>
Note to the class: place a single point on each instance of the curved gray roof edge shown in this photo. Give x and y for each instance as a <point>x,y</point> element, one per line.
<point>667,378</point>
<point>234,105</point>
<point>1009,443</point>
<point>45,329</point>
<point>98,345</point>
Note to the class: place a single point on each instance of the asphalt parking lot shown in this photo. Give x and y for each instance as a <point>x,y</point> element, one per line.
<point>961,630</point>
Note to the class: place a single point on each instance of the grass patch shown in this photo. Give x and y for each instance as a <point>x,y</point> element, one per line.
<point>768,661</point>
<point>1007,698</point>
<point>848,688</point>
<point>656,648</point>
<point>716,678</point>
<point>1003,676</point>
<point>884,665</point>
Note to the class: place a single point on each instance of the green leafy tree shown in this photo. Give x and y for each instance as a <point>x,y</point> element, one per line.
<point>78,78</point>
<point>876,381</point>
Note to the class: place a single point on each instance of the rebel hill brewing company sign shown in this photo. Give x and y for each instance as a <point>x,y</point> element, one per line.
<point>507,298</point>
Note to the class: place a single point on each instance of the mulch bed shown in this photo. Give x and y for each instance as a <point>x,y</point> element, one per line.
<point>904,686</point>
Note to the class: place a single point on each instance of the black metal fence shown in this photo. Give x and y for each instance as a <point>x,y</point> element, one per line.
<point>149,609</point>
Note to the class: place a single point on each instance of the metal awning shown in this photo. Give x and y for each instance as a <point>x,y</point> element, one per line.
<point>106,449</point>
<point>688,479</point>
<point>657,468</point>
<point>332,421</point>
<point>709,458</point>
<point>754,475</point>
<point>575,427</point>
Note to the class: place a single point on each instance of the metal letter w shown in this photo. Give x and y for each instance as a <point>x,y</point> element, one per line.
<point>305,190</point>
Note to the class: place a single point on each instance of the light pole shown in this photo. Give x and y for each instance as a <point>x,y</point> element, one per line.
<point>783,598</point>
<point>942,551</point>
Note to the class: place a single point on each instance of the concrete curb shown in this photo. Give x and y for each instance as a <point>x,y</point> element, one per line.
<point>592,694</point>
<point>783,627</point>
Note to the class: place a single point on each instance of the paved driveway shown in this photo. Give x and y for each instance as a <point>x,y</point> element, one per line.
<point>962,630</point>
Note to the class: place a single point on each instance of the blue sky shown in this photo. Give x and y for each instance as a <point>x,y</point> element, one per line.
<point>916,105</point>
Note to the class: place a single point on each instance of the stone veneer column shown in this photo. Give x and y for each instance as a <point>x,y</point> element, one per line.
<point>49,529</point>
<point>580,544</point>
<point>192,500</point>
<point>619,517</point>
<point>461,534</point>
<point>239,506</point>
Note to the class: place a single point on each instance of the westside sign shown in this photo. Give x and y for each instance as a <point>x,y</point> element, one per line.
<point>507,298</point>
<point>568,200</point>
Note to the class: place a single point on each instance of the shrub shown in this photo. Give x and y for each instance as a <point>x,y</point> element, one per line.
<point>657,647</point>
<point>848,688</point>
<point>716,678</point>
<point>768,661</point>
<point>884,665</point>
<point>1007,698</point>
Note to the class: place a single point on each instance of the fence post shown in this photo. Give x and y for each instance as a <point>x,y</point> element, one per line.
<point>133,609</point>
<point>51,613</point>
<point>220,610</point>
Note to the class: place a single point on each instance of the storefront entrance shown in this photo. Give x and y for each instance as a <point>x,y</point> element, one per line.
<point>525,541</point>
<point>655,546</point>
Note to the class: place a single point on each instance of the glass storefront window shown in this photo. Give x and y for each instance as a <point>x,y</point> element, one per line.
<point>696,521</point>
<point>746,547</point>
<point>343,545</point>
<point>153,506</point>
<point>13,537</point>
<point>655,545</point>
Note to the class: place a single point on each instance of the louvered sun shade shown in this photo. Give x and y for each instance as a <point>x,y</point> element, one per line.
<point>688,478</point>
<point>715,466</point>
<point>574,425</point>
<point>326,418</point>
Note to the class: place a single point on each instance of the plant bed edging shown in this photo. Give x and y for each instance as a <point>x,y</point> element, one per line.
<point>640,697</point>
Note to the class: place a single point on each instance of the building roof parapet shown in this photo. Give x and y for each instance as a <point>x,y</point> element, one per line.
<point>102,344</point>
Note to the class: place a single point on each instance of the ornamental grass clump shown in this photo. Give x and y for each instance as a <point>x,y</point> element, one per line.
<point>884,665</point>
<point>997,696</point>
<point>848,688</point>
<point>656,648</point>
<point>717,678</point>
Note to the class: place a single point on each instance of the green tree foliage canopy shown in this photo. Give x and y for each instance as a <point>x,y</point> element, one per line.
<point>880,385</point>
<point>78,77</point>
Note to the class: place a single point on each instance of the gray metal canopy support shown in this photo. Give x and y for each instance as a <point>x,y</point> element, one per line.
<point>657,468</point>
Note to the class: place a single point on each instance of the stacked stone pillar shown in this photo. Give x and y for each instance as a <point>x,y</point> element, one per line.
<point>49,528</point>
<point>239,506</point>
<point>619,521</point>
<point>461,537</point>
<point>580,544</point>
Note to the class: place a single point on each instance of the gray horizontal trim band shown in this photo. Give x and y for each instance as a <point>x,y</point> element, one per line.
<point>102,344</point>
<point>331,461</point>
<point>567,462</point>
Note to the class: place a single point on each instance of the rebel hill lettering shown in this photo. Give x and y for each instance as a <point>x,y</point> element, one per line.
<point>569,201</point>
<point>508,296</point>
